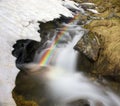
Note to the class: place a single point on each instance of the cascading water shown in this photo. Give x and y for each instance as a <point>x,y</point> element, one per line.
<point>67,58</point>
<point>63,83</point>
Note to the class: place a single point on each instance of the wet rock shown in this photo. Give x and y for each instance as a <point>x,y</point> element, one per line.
<point>83,63</point>
<point>79,103</point>
<point>83,19</point>
<point>24,51</point>
<point>47,29</point>
<point>89,45</point>
<point>30,89</point>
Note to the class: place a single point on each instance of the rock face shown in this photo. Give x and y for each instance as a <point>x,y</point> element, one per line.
<point>24,51</point>
<point>29,89</point>
<point>89,45</point>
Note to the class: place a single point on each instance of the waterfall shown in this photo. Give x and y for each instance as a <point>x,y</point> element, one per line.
<point>67,56</point>
<point>63,83</point>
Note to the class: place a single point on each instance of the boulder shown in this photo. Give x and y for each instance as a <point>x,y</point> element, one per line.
<point>89,45</point>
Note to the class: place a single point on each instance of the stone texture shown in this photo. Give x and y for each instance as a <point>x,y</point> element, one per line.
<point>89,45</point>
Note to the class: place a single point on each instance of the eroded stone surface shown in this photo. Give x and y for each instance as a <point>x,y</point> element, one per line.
<point>89,45</point>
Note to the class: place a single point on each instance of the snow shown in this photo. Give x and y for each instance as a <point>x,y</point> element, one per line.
<point>71,4</point>
<point>93,11</point>
<point>88,4</point>
<point>18,20</point>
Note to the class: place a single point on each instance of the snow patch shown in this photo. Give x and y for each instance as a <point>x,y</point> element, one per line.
<point>93,11</point>
<point>18,20</point>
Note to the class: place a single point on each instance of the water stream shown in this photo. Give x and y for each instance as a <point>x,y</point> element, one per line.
<point>63,83</point>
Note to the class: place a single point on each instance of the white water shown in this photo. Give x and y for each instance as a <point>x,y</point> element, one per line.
<point>66,57</point>
<point>65,85</point>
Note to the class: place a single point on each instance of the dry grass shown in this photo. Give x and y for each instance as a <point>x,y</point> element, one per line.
<point>109,32</point>
<point>105,7</point>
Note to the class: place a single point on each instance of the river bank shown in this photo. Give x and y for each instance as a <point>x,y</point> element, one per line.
<point>106,27</point>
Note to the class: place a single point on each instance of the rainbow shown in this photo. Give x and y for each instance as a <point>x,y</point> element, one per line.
<point>46,56</point>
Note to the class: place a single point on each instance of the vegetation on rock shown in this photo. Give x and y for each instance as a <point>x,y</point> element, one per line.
<point>20,101</point>
<point>107,28</point>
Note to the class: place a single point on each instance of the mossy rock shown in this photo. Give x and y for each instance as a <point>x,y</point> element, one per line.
<point>29,90</point>
<point>20,101</point>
